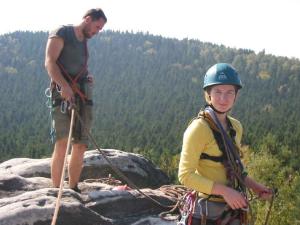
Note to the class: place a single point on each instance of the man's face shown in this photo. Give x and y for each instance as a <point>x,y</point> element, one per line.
<point>92,28</point>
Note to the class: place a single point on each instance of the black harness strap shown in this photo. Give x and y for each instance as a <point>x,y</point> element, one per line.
<point>58,101</point>
<point>219,159</point>
<point>219,140</point>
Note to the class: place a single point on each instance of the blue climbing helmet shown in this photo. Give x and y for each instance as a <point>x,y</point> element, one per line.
<point>222,73</point>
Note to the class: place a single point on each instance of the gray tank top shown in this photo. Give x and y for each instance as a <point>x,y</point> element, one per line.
<point>74,54</point>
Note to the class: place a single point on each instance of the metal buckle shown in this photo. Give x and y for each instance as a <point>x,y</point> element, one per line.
<point>64,106</point>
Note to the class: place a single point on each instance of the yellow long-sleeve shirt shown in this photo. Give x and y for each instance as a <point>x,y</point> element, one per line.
<point>200,174</point>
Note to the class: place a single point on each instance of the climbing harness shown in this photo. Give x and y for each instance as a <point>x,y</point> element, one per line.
<point>73,80</point>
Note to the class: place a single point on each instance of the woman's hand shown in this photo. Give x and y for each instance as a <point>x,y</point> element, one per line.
<point>233,198</point>
<point>261,190</point>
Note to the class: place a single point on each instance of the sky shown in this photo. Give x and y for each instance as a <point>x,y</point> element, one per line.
<point>270,25</point>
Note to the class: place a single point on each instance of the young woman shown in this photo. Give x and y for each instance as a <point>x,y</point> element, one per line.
<point>210,159</point>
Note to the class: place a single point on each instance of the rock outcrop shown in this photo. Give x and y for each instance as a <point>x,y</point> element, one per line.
<point>26,196</point>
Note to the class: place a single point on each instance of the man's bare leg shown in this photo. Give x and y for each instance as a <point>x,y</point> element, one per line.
<point>57,161</point>
<point>76,163</point>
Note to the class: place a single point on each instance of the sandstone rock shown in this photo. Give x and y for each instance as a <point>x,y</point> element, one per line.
<point>26,198</point>
<point>134,166</point>
<point>127,206</point>
<point>26,167</point>
<point>37,208</point>
<point>11,185</point>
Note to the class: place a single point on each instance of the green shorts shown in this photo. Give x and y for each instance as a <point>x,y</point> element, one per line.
<point>61,120</point>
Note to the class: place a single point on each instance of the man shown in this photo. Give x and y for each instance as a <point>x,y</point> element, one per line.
<point>66,63</point>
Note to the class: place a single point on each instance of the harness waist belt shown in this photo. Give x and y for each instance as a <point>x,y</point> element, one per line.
<point>58,101</point>
<point>219,159</point>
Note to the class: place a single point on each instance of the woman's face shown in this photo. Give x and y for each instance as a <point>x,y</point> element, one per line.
<point>222,97</point>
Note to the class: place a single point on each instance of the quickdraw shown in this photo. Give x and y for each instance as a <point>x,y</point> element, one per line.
<point>186,208</point>
<point>49,105</point>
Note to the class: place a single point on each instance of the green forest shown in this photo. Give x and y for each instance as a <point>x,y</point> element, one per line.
<point>147,89</point>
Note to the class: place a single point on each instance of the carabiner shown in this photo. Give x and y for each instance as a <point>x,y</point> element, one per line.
<point>64,106</point>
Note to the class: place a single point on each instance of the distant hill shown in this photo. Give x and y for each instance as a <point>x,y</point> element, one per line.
<point>147,89</point>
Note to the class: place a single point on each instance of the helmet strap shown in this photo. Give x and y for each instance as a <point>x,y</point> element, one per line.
<point>217,111</point>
